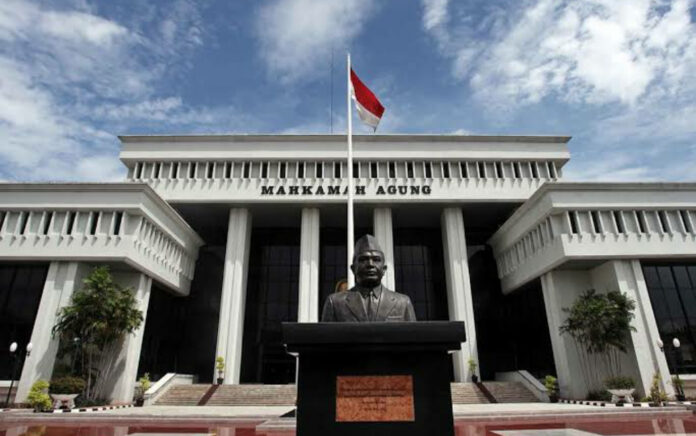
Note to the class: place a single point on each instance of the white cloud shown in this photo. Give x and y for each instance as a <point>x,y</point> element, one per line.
<point>434,13</point>
<point>68,75</point>
<point>587,51</point>
<point>297,36</point>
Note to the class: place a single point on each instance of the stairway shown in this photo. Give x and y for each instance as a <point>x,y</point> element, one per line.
<point>284,395</point>
<point>182,395</point>
<point>467,393</point>
<point>254,395</point>
<point>510,392</point>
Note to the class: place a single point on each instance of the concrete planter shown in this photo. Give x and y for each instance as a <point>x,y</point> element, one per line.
<point>621,395</point>
<point>67,400</point>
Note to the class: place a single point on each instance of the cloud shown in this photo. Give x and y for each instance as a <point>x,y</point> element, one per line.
<point>434,14</point>
<point>297,35</point>
<point>71,78</point>
<point>584,51</point>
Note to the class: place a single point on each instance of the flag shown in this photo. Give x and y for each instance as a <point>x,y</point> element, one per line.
<point>369,108</point>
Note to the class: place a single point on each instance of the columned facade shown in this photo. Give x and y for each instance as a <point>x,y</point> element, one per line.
<point>233,296</point>
<point>461,305</point>
<point>308,304</point>
<point>62,280</point>
<point>385,235</point>
<point>125,363</point>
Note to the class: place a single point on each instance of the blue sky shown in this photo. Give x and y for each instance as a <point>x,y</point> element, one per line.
<point>617,75</point>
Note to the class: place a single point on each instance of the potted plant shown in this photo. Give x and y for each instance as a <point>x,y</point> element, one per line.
<point>64,390</point>
<point>621,389</point>
<point>140,390</point>
<point>472,370</point>
<point>678,384</point>
<point>220,367</point>
<point>657,395</point>
<point>38,397</point>
<point>551,385</point>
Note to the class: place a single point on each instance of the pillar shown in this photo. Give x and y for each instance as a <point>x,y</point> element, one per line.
<point>460,301</point>
<point>123,376</point>
<point>233,298</point>
<point>61,281</point>
<point>382,219</point>
<point>308,301</point>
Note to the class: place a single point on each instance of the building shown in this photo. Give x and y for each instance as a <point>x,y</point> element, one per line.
<point>224,237</point>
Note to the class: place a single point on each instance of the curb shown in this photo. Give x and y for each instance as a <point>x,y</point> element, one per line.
<point>92,409</point>
<point>627,405</point>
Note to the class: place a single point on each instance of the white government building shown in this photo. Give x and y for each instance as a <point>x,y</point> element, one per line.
<point>223,237</point>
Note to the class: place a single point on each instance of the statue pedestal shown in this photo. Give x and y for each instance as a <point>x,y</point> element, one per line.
<point>374,378</point>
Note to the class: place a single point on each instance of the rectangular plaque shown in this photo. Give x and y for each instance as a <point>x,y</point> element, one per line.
<point>374,398</point>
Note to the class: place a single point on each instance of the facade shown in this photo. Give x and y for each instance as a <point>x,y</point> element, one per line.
<point>224,237</point>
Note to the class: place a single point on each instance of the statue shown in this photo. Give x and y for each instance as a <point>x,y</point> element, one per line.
<point>368,301</point>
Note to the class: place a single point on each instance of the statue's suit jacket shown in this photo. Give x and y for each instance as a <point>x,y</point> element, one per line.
<point>348,307</point>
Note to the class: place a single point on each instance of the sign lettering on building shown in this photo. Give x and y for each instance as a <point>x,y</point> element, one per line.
<point>336,190</point>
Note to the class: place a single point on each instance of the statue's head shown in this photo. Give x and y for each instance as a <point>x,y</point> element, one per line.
<point>368,262</point>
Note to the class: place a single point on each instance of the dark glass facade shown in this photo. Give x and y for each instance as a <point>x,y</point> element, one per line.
<point>21,286</point>
<point>512,330</point>
<point>181,332</point>
<point>274,266</point>
<point>419,271</point>
<point>672,290</point>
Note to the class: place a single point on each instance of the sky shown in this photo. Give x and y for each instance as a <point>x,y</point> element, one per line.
<point>619,76</point>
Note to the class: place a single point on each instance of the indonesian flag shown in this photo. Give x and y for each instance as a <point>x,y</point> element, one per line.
<point>369,108</point>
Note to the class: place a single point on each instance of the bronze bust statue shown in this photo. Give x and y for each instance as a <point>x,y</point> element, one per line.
<point>368,301</point>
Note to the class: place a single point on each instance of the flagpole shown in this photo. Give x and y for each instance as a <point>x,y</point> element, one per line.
<point>351,237</point>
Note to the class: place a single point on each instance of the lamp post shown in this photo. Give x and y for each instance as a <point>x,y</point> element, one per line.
<point>677,381</point>
<point>15,361</point>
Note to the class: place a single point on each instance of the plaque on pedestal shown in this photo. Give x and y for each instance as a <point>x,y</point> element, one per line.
<point>374,378</point>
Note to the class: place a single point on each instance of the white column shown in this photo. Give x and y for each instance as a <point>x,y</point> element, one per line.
<point>308,301</point>
<point>125,372</point>
<point>234,281</point>
<point>61,281</point>
<point>648,356</point>
<point>460,301</point>
<point>384,233</point>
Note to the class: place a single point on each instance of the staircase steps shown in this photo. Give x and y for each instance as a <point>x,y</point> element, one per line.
<point>467,393</point>
<point>183,395</point>
<point>254,395</point>
<point>510,392</point>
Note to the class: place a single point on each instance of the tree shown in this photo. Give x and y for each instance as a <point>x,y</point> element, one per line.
<point>601,326</point>
<point>100,314</point>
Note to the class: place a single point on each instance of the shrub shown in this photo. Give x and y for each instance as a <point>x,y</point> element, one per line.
<point>550,383</point>
<point>67,385</point>
<point>38,398</point>
<point>220,365</point>
<point>619,382</point>
<point>657,395</point>
<point>599,395</point>
<point>677,382</point>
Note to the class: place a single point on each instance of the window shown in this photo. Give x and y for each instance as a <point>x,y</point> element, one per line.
<point>356,170</point>
<point>373,170</point>
<point>246,169</point>
<point>228,170</point>
<point>319,170</point>
<point>93,221</point>
<point>282,170</point>
<point>516,170</point>
<point>210,166</point>
<point>481,169</point>
<point>596,223</point>
<point>23,222</point>
<point>175,170</point>
<point>118,218</point>
<point>139,170</point>
<point>463,170</point>
<point>300,170</point>
<point>409,170</point>
<point>445,170</point>
<point>499,170</point>
<point>684,215</point>
<point>156,171</point>
<point>535,170</point>
<point>70,222</point>
<point>337,170</point>
<point>573,220</point>
<point>192,170</point>
<point>48,219</point>
<point>552,169</point>
<point>392,170</point>
<point>664,222</point>
<point>640,219</point>
<point>618,219</point>
<point>264,170</point>
<point>428,170</point>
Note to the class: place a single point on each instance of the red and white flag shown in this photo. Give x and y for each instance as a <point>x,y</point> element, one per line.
<point>369,108</point>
